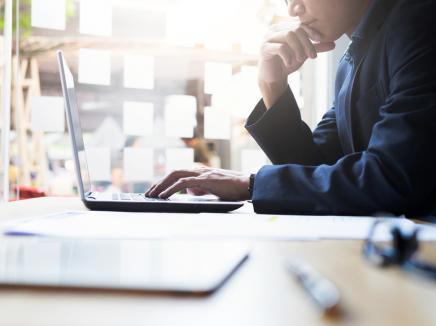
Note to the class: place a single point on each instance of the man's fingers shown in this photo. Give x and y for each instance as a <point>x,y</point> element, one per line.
<point>196,191</point>
<point>306,36</point>
<point>150,190</point>
<point>295,45</point>
<point>183,183</point>
<point>324,47</point>
<point>272,50</point>
<point>279,29</point>
<point>316,37</point>
<point>163,184</point>
<point>312,33</point>
<point>153,191</point>
<point>287,55</point>
<point>168,181</point>
<point>309,49</point>
<point>147,193</point>
<point>284,26</point>
<point>300,43</point>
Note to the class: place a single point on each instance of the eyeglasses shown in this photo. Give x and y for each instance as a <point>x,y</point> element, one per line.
<point>390,245</point>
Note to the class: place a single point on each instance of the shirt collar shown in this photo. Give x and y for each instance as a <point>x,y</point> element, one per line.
<point>373,18</point>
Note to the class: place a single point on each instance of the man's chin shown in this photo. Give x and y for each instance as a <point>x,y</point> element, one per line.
<point>318,37</point>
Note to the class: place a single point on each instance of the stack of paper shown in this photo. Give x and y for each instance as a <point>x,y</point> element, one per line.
<point>119,225</point>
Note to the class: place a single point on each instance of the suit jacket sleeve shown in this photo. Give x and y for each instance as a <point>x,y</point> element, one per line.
<point>285,138</point>
<point>397,172</point>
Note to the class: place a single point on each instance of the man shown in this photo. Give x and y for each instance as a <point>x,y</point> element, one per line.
<point>375,150</point>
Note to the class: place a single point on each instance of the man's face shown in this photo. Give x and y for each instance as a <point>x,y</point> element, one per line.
<point>329,18</point>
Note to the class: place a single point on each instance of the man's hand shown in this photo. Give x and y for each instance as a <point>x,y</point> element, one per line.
<point>283,52</point>
<point>226,184</point>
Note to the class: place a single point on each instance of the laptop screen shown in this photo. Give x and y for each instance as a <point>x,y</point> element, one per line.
<point>74,126</point>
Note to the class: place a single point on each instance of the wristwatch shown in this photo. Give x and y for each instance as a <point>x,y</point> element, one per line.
<point>251,184</point>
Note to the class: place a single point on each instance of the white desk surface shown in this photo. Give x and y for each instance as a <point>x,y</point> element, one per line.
<point>260,293</point>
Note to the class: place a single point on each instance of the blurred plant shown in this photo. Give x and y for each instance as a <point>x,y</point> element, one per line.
<point>25,27</point>
<point>29,48</point>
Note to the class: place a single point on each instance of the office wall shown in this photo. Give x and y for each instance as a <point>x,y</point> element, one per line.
<point>139,64</point>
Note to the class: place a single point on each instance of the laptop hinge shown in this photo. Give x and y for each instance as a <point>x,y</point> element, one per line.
<point>89,195</point>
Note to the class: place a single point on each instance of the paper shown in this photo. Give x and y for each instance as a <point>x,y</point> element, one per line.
<point>47,114</point>
<point>138,164</point>
<point>48,14</point>
<point>138,118</point>
<point>123,225</point>
<point>216,76</point>
<point>252,160</point>
<point>94,67</point>
<point>99,163</point>
<point>180,116</point>
<point>96,17</point>
<point>217,124</point>
<point>139,71</point>
<point>179,158</point>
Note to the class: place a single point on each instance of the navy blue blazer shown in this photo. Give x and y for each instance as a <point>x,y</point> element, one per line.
<point>375,150</point>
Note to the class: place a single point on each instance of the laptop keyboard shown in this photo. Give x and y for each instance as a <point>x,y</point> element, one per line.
<point>133,197</point>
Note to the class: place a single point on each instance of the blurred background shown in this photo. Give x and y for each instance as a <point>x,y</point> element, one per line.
<point>161,85</point>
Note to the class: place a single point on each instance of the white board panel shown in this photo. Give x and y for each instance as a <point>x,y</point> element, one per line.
<point>47,114</point>
<point>49,14</point>
<point>179,158</point>
<point>99,163</point>
<point>138,164</point>
<point>217,124</point>
<point>94,67</point>
<point>240,95</point>
<point>252,160</point>
<point>216,76</point>
<point>96,17</point>
<point>138,118</point>
<point>185,22</point>
<point>138,71</point>
<point>180,116</point>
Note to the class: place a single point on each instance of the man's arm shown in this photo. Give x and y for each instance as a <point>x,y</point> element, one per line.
<point>285,138</point>
<point>276,123</point>
<point>397,172</point>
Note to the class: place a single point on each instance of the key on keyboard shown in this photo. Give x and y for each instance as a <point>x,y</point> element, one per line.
<point>134,197</point>
<point>125,196</point>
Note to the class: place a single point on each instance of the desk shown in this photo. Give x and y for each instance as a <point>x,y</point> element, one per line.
<point>260,293</point>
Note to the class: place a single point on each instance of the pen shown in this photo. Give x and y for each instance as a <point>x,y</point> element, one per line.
<point>321,290</point>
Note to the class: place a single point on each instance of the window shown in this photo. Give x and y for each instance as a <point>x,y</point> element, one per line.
<point>161,85</point>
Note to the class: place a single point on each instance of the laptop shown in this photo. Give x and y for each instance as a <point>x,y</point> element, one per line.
<point>136,202</point>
